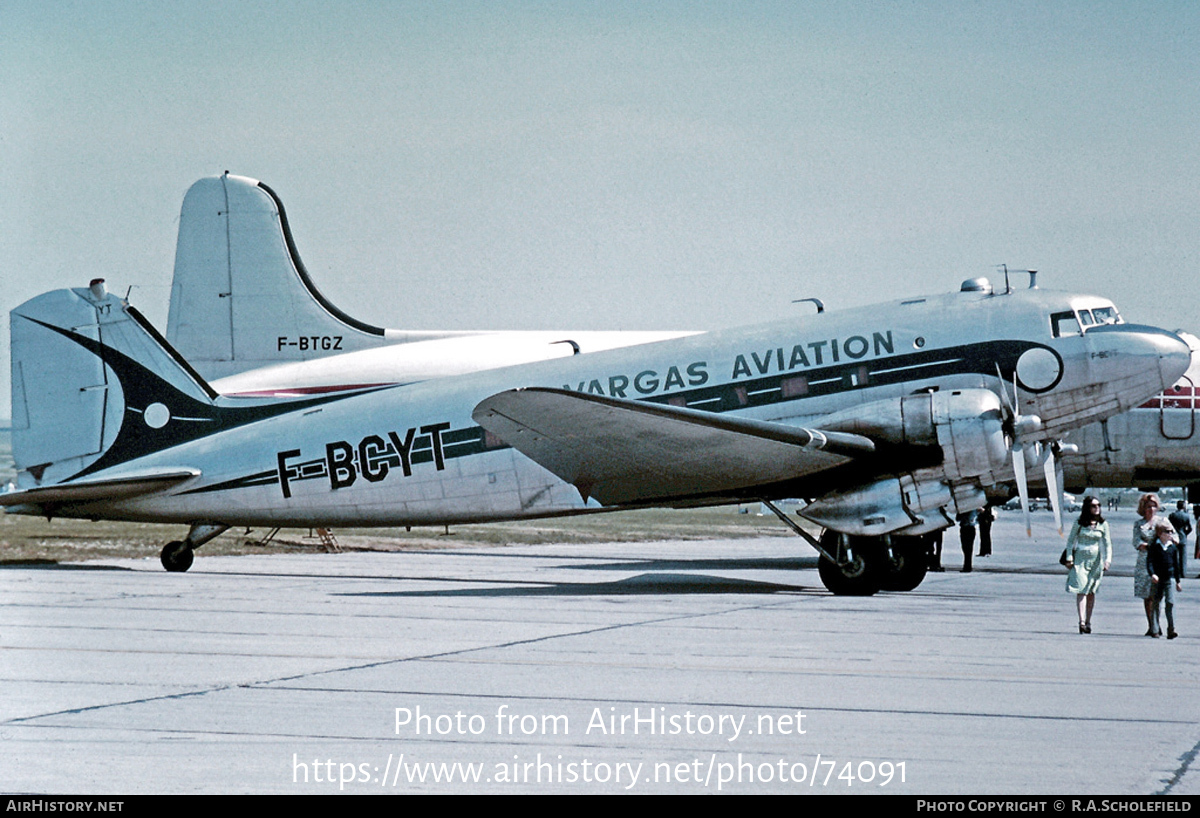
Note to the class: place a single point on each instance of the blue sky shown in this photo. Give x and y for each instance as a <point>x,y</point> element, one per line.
<point>613,165</point>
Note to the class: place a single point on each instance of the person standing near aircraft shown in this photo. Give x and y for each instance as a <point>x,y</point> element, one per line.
<point>1182,522</point>
<point>1162,557</point>
<point>966,536</point>
<point>935,556</point>
<point>1196,514</point>
<point>1143,535</point>
<point>986,517</point>
<point>1089,555</point>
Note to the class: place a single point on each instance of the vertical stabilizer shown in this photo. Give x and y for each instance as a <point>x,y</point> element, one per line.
<point>241,298</point>
<point>89,373</point>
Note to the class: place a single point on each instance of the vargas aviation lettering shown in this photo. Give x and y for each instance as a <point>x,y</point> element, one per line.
<point>814,353</point>
<point>745,365</point>
<point>646,382</point>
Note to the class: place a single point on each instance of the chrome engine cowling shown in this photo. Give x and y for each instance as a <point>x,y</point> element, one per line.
<point>966,424</point>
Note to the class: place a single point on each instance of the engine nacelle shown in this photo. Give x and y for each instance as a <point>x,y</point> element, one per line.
<point>966,424</point>
<point>970,430</point>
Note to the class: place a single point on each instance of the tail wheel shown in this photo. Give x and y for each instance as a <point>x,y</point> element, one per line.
<point>859,568</point>
<point>177,556</point>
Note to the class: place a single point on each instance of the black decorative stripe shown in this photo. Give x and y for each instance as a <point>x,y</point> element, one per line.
<point>307,281</point>
<point>263,478</point>
<point>170,350</point>
<point>968,359</point>
<point>979,359</point>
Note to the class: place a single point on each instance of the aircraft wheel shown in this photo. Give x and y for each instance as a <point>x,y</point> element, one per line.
<point>861,571</point>
<point>908,564</point>
<point>177,556</point>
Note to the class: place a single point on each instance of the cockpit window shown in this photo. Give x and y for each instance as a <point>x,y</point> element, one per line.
<point>1075,323</point>
<point>1065,323</point>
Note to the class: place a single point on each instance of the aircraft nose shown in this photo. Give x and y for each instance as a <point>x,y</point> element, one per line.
<point>1191,340</point>
<point>1151,349</point>
<point>1174,356</point>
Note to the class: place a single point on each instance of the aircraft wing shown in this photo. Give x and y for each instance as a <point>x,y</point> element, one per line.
<point>625,451</point>
<point>87,491</point>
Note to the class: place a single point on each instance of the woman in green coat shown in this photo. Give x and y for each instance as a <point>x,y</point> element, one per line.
<point>1089,554</point>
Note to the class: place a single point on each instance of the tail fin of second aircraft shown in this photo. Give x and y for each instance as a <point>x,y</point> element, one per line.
<point>241,297</point>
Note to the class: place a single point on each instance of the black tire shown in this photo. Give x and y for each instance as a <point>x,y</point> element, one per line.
<point>177,556</point>
<point>861,573</point>
<point>908,564</point>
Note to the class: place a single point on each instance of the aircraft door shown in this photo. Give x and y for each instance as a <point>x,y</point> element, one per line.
<point>1177,410</point>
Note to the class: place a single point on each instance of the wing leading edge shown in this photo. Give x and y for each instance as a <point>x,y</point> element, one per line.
<point>623,451</point>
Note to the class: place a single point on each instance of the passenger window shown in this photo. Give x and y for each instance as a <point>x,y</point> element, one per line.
<point>795,386</point>
<point>1064,323</point>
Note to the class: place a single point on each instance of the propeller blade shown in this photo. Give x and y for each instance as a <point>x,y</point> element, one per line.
<point>1058,476</point>
<point>1053,484</point>
<point>1018,456</point>
<point>1011,405</point>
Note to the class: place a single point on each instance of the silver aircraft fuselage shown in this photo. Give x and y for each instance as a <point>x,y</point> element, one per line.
<point>412,454</point>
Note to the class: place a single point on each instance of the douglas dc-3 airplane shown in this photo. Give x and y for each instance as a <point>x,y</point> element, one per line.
<point>246,315</point>
<point>891,419</point>
<point>241,299</point>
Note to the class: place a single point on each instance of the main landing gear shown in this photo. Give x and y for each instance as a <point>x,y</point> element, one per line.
<point>861,566</point>
<point>907,562</point>
<point>177,555</point>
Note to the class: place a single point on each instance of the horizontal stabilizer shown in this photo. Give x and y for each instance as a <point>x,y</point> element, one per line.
<point>89,491</point>
<point>623,451</point>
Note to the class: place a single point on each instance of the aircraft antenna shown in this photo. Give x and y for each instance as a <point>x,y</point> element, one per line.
<point>1008,287</point>
<point>820,304</point>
